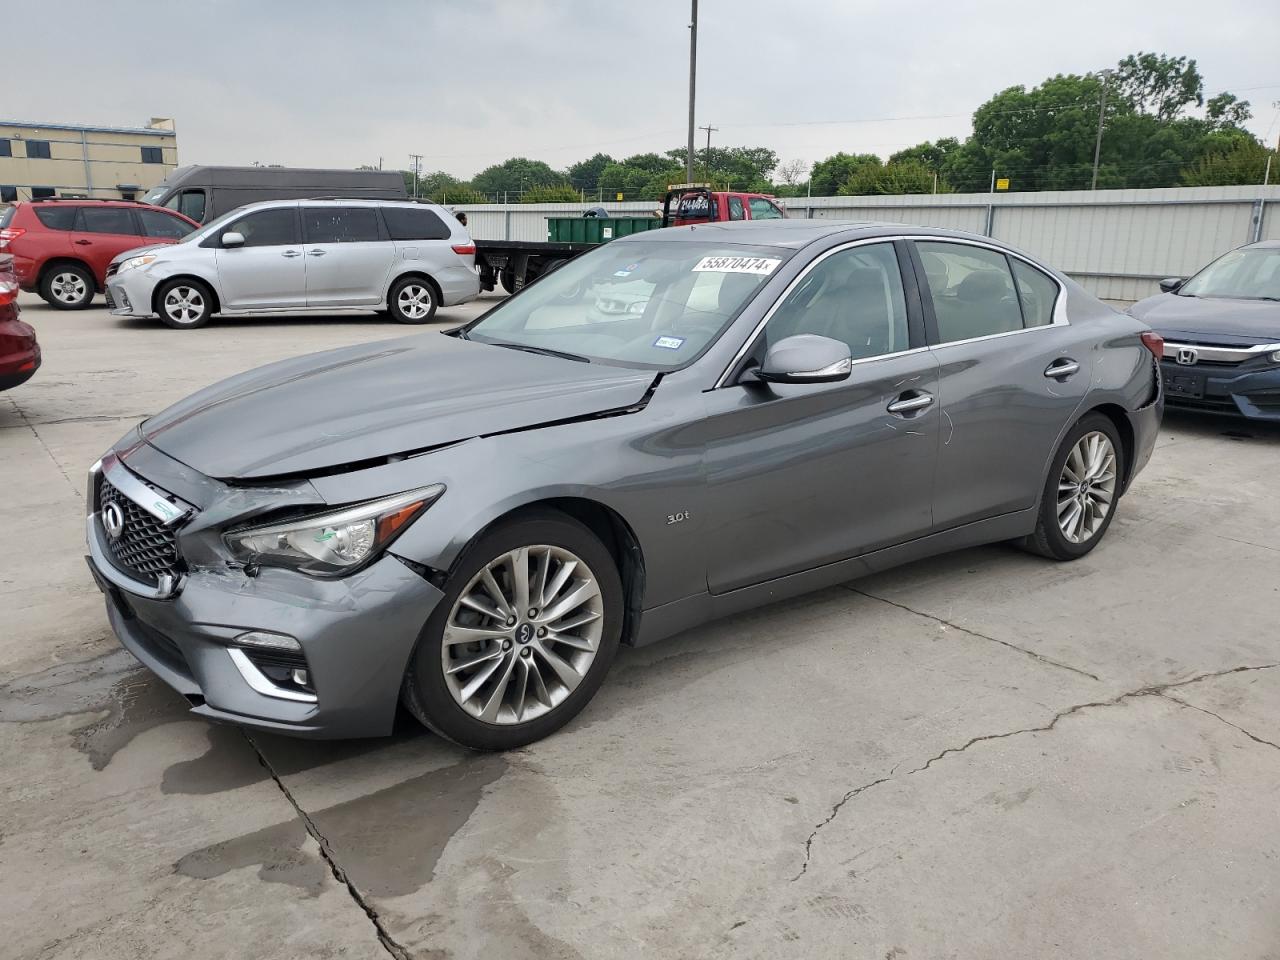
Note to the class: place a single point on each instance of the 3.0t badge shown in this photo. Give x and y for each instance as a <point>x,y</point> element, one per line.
<point>113,520</point>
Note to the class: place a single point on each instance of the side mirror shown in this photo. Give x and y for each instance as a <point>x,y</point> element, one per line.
<point>232,239</point>
<point>1171,284</point>
<point>806,358</point>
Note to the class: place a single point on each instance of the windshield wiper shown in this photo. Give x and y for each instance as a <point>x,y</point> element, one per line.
<point>545,351</point>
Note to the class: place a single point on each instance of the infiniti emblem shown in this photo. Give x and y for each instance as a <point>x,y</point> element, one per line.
<point>1188,355</point>
<point>113,520</point>
<point>524,633</point>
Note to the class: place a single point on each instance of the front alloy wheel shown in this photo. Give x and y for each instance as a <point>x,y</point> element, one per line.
<point>184,304</point>
<point>529,622</point>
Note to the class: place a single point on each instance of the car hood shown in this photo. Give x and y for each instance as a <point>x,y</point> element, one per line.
<point>1257,321</point>
<point>139,251</point>
<point>313,413</point>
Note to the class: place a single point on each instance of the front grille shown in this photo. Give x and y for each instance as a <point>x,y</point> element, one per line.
<point>146,548</point>
<point>111,304</point>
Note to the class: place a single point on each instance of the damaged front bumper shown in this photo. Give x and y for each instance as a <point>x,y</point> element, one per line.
<point>201,632</point>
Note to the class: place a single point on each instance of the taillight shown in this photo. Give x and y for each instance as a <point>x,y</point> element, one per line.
<point>1153,342</point>
<point>464,249</point>
<point>8,292</point>
<point>9,233</point>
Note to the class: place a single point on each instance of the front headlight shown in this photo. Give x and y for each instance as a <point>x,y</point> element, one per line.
<point>134,262</point>
<point>334,543</point>
<point>1276,356</point>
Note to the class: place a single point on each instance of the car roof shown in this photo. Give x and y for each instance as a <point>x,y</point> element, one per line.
<point>794,234</point>
<point>340,202</point>
<point>1263,245</point>
<point>80,202</point>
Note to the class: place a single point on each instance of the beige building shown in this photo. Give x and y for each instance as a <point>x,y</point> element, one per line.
<point>63,159</point>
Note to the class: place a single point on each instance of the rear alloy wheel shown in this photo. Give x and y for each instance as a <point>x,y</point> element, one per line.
<point>184,304</point>
<point>522,638</point>
<point>412,300</point>
<point>68,287</point>
<point>1080,497</point>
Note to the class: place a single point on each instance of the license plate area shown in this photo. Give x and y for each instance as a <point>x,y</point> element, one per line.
<point>1189,385</point>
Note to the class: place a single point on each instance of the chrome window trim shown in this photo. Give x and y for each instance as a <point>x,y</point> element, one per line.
<point>1059,305</point>
<point>1220,354</point>
<point>259,683</point>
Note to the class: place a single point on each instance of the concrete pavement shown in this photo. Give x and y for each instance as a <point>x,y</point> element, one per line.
<point>984,754</point>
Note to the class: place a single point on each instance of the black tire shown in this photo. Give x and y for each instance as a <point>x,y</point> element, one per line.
<point>68,286</point>
<point>510,282</point>
<point>426,692</point>
<point>1048,540</point>
<point>184,304</point>
<point>412,300</point>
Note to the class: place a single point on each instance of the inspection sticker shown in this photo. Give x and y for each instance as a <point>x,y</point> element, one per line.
<point>627,270</point>
<point>762,266</point>
<point>669,343</point>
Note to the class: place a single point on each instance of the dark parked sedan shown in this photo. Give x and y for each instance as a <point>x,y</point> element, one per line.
<point>472,523</point>
<point>1221,332</point>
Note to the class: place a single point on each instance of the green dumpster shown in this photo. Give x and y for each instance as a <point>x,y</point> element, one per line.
<point>597,229</point>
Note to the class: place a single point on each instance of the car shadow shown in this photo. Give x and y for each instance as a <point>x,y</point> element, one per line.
<point>1208,425</point>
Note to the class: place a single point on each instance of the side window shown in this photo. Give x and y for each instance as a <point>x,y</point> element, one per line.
<point>191,204</point>
<point>6,148</point>
<point>854,296</point>
<point>406,223</point>
<point>340,224</point>
<point>1036,292</point>
<point>8,194</point>
<point>56,217</point>
<point>157,224</point>
<point>762,209</point>
<point>38,149</point>
<point>268,228</point>
<point>735,208</point>
<point>106,220</point>
<point>152,155</point>
<point>972,290</point>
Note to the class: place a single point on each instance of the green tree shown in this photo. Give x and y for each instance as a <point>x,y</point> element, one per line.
<point>1159,85</point>
<point>585,174</point>
<point>932,155</point>
<point>903,176</point>
<point>827,175</point>
<point>1246,162</point>
<point>560,193</point>
<point>514,176</point>
<point>1227,110</point>
<point>461,193</point>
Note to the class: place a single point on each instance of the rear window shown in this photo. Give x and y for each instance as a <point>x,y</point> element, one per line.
<point>406,223</point>
<point>6,216</point>
<point>340,224</point>
<point>56,218</point>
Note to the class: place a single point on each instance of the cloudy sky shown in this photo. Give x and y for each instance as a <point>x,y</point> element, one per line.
<point>467,83</point>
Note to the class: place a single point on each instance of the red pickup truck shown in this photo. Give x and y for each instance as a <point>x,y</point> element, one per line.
<point>697,203</point>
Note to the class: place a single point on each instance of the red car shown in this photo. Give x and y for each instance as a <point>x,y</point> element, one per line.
<point>61,248</point>
<point>19,352</point>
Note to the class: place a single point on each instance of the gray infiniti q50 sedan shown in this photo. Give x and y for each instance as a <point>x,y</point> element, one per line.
<point>471,523</point>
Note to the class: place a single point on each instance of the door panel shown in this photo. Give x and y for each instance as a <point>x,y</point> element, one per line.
<point>803,475</point>
<point>1001,413</point>
<point>267,272</point>
<point>347,260</point>
<point>103,232</point>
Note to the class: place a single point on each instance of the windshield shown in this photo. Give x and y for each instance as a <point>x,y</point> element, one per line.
<point>155,193</point>
<point>647,303</point>
<point>1247,274</point>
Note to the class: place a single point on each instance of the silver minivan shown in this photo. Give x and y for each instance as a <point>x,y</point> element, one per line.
<point>404,258</point>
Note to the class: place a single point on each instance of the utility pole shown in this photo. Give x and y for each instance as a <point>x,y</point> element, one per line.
<point>706,163</point>
<point>1097,144</point>
<point>417,171</point>
<point>693,63</point>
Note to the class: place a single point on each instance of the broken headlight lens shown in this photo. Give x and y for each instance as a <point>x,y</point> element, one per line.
<point>334,543</point>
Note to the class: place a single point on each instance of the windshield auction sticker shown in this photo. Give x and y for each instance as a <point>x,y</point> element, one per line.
<point>762,266</point>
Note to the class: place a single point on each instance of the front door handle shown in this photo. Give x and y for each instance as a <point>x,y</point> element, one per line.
<point>291,253</point>
<point>84,243</point>
<point>1062,368</point>
<point>910,402</point>
<point>315,253</point>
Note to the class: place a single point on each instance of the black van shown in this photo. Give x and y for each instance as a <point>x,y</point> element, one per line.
<point>203,193</point>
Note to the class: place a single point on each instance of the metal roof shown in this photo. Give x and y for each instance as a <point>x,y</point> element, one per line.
<point>77,127</point>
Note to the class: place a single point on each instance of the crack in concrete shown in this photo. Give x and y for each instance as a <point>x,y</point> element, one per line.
<point>40,440</point>
<point>1254,737</point>
<point>981,636</point>
<point>1154,690</point>
<point>388,942</point>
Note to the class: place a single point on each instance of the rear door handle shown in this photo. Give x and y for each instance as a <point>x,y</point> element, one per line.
<point>1061,369</point>
<point>291,253</point>
<point>315,253</point>
<point>910,403</point>
<point>85,243</point>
